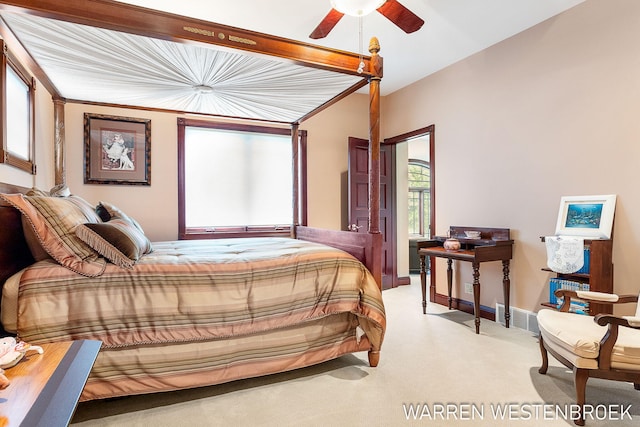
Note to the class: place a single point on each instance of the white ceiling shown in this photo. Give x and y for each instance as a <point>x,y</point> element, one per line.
<point>453,29</point>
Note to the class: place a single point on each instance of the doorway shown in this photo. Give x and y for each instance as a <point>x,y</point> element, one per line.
<point>415,187</point>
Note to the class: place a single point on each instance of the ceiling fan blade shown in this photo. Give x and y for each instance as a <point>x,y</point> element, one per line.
<point>327,24</point>
<point>401,16</point>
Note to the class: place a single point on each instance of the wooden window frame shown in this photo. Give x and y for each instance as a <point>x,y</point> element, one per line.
<point>185,233</point>
<point>8,60</point>
<point>424,228</point>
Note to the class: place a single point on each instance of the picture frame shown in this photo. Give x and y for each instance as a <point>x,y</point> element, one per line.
<point>586,216</point>
<point>117,150</point>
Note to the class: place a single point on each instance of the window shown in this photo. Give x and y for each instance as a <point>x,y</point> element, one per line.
<point>17,114</point>
<point>419,198</point>
<point>234,180</point>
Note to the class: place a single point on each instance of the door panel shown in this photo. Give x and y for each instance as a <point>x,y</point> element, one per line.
<point>359,202</point>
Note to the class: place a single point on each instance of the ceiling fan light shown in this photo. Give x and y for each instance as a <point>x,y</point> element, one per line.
<point>356,7</point>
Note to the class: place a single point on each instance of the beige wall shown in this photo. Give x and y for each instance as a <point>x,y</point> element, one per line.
<point>155,206</point>
<point>328,134</point>
<point>550,112</point>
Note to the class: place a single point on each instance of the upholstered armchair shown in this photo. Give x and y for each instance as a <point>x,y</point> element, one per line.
<point>604,346</point>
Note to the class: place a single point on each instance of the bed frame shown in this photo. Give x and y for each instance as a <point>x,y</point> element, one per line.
<point>127,18</point>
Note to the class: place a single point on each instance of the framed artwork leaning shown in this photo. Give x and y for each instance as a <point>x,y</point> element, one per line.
<point>586,216</point>
<point>117,150</point>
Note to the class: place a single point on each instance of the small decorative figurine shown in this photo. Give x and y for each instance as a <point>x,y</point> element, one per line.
<point>12,351</point>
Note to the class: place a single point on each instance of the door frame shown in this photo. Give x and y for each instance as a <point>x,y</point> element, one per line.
<point>431,131</point>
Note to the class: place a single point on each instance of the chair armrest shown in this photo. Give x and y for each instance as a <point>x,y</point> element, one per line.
<point>610,319</point>
<point>600,297</point>
<point>607,342</point>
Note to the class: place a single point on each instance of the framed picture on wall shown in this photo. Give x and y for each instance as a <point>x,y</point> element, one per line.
<point>586,216</point>
<point>117,150</point>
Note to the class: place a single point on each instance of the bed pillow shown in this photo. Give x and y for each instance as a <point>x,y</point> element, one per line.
<point>35,247</point>
<point>106,211</point>
<point>118,240</point>
<point>33,243</point>
<point>54,220</point>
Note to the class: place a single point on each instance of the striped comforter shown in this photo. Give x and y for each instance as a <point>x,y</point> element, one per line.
<point>187,292</point>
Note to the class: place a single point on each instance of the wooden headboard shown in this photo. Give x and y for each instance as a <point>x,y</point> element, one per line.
<point>14,252</point>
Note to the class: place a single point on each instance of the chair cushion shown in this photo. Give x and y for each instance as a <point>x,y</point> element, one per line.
<point>579,335</point>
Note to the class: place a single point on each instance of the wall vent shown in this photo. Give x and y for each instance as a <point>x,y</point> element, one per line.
<point>520,318</point>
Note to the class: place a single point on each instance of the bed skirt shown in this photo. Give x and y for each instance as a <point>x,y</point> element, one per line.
<point>155,368</point>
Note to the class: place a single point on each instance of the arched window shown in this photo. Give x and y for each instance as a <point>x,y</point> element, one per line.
<point>419,198</point>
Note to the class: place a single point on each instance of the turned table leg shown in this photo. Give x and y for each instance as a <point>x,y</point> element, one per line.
<point>423,282</point>
<point>506,285</point>
<point>450,279</point>
<point>476,295</point>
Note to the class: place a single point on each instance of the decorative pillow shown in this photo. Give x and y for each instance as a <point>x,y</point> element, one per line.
<point>54,220</point>
<point>106,211</point>
<point>118,240</point>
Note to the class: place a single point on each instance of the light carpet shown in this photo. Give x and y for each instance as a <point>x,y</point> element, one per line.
<point>434,364</point>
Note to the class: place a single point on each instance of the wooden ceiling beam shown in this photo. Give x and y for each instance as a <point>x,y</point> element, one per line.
<point>156,24</point>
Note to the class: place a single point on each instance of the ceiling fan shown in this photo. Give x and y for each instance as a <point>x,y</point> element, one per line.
<point>391,9</point>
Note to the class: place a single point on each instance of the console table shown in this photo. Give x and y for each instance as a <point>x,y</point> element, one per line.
<point>494,244</point>
<point>45,388</point>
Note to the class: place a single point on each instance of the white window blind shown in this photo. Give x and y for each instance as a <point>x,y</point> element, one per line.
<point>18,139</point>
<point>237,178</point>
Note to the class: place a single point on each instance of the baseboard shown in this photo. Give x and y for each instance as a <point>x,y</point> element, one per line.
<point>402,281</point>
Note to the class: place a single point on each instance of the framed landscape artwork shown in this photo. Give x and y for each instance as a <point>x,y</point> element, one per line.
<point>586,216</point>
<point>117,150</point>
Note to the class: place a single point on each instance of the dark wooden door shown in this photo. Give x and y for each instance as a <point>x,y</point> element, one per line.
<point>359,202</point>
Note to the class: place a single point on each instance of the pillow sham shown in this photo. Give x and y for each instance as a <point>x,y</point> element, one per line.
<point>118,240</point>
<point>54,220</point>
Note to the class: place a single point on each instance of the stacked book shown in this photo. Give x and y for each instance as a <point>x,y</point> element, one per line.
<point>580,307</point>
<point>587,259</point>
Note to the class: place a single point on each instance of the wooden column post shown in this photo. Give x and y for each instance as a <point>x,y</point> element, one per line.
<point>59,142</point>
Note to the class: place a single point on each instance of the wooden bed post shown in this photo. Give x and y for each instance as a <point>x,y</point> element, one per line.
<point>374,156</point>
<point>296,177</point>
<point>59,141</point>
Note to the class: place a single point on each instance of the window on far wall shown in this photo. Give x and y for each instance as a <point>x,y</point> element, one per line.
<point>419,198</point>
<point>234,179</point>
<point>17,113</point>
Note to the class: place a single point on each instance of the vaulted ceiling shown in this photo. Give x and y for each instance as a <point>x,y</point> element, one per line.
<point>453,29</point>
<point>106,65</point>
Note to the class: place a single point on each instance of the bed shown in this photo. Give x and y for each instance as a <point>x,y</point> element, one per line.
<point>280,303</point>
<point>187,313</point>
